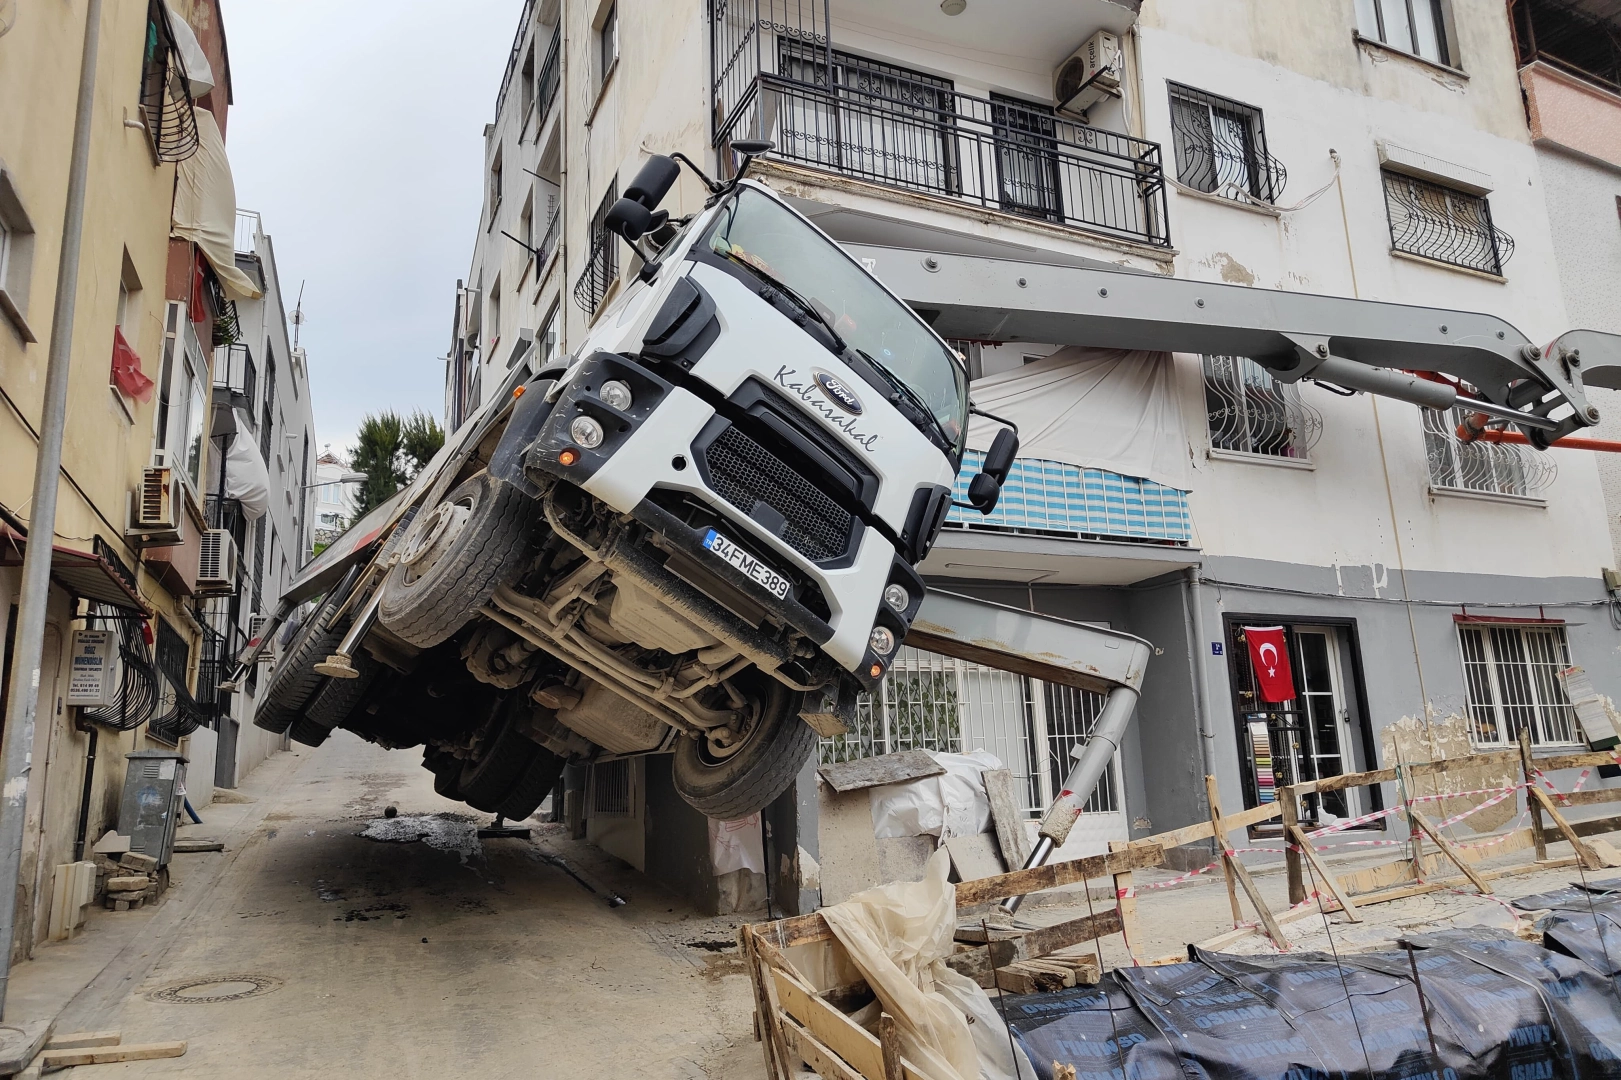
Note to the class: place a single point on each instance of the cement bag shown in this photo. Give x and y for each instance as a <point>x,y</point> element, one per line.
<point>736,845</point>
<point>953,804</point>
<point>898,935</point>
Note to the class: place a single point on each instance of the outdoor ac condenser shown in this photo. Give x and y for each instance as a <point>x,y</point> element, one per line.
<point>216,561</point>
<point>153,784</point>
<point>158,505</point>
<point>1090,74</point>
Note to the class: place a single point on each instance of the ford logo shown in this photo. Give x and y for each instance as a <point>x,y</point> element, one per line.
<point>838,393</point>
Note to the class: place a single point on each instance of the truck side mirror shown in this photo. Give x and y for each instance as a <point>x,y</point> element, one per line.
<point>653,181</point>
<point>999,458</point>
<point>632,220</point>
<point>983,493</point>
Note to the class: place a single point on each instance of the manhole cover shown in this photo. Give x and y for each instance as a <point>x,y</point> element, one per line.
<point>208,989</point>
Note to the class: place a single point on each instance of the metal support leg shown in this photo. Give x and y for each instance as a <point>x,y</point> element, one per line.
<point>1090,761</point>
<point>340,665</point>
<point>500,830</point>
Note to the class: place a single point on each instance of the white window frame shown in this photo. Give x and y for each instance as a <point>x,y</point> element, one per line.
<point>1374,23</point>
<point>172,424</point>
<point>1506,692</point>
<point>607,42</point>
<point>1254,399</point>
<point>16,257</point>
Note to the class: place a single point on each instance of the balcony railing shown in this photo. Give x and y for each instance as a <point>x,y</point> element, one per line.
<point>1585,43</point>
<point>548,242</point>
<point>600,270</point>
<point>779,77</point>
<point>1056,499</point>
<point>547,82</point>
<point>236,377</point>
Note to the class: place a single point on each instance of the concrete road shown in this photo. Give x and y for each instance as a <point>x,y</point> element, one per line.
<point>344,956</point>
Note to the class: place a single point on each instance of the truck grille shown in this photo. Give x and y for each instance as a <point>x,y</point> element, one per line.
<point>743,472</point>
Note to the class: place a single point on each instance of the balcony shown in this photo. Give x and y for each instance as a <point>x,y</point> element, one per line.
<point>780,76</point>
<point>1570,72</point>
<point>236,379</point>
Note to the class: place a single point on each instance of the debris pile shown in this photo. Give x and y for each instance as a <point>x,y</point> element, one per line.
<point>127,881</point>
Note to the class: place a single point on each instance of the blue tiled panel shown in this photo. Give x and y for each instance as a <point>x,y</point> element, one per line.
<point>1051,496</point>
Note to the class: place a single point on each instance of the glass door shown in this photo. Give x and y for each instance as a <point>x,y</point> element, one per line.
<point>1322,713</point>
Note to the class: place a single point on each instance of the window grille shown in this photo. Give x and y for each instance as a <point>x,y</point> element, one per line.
<point>1497,468</point>
<point>171,123</point>
<point>1444,224</point>
<point>602,265</point>
<point>933,702</point>
<point>610,789</point>
<point>1413,26</point>
<point>1221,148</point>
<point>1250,412</point>
<point>1511,676</point>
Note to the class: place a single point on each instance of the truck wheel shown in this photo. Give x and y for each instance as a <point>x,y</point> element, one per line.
<point>455,556</point>
<point>295,678</point>
<point>486,783</point>
<point>306,731</point>
<point>333,702</point>
<point>531,790</point>
<point>273,718</point>
<point>446,769</point>
<point>730,783</point>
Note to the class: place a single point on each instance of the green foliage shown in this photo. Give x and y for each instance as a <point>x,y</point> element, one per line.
<point>390,451</point>
<point>922,711</point>
<point>420,439</point>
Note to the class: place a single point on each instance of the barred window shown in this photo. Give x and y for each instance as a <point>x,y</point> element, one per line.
<point>1444,224</point>
<point>1250,412</point>
<point>602,264</point>
<point>1494,468</point>
<point>1511,675</point>
<point>1220,147</point>
<point>171,122</point>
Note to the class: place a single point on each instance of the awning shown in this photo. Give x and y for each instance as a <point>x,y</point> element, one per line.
<point>82,573</point>
<point>205,207</point>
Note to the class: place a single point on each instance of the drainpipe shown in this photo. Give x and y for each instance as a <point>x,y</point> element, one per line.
<point>1193,604</point>
<point>36,575</point>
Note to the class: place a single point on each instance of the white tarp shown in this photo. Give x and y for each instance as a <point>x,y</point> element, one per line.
<point>899,935</point>
<point>953,803</point>
<point>205,207</point>
<point>199,73</point>
<point>246,478</point>
<point>1113,409</point>
<point>736,845</point>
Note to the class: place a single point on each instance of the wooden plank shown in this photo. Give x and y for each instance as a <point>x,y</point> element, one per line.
<point>1590,827</point>
<point>1304,844</point>
<point>1050,939</point>
<point>885,769</point>
<point>1125,902</point>
<point>1528,771</point>
<point>1449,851</point>
<point>1273,930</point>
<point>1350,780</point>
<point>813,1052</point>
<point>79,1039</point>
<point>1019,978</point>
<point>766,1012</point>
<point>103,1055</point>
<point>975,857</point>
<point>1011,835</point>
<point>1177,837</point>
<point>1288,798</point>
<point>1575,761</point>
<point>1219,827</point>
<point>980,964</point>
<point>889,1041</point>
<point>857,1046</point>
<point>1588,798</point>
<point>1588,856</point>
<point>794,930</point>
<point>1053,875</point>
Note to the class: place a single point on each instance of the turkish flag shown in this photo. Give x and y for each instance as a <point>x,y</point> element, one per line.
<point>127,373</point>
<point>1269,656</point>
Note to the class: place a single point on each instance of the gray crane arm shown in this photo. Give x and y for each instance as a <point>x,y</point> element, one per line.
<point>1358,344</point>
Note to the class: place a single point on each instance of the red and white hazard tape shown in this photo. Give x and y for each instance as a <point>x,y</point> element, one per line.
<point>1505,793</point>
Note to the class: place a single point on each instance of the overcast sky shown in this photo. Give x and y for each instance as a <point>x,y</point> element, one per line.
<point>358,132</point>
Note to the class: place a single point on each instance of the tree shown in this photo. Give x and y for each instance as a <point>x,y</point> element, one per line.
<point>391,451</point>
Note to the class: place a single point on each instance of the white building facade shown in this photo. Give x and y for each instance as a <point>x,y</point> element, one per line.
<point>1371,149</point>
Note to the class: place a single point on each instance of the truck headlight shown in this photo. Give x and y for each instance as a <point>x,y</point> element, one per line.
<point>897,598</point>
<point>586,431</point>
<point>616,395</point>
<point>882,640</point>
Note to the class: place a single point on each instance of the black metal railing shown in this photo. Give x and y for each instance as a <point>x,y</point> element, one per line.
<point>1581,42</point>
<point>512,57</point>
<point>779,77</point>
<point>601,267</point>
<point>236,375</point>
<point>1444,224</point>
<point>547,82</point>
<point>1220,147</point>
<point>548,241</point>
<point>166,108</point>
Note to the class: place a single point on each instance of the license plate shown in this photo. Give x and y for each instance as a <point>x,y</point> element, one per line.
<point>752,568</point>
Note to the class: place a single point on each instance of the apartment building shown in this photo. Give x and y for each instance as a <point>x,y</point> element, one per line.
<point>1371,149</point>
<point>144,545</point>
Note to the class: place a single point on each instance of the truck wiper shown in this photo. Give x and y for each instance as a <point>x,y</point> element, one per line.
<point>795,298</point>
<point>936,431</point>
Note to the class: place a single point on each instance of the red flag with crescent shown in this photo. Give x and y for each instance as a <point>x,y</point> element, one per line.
<point>1269,656</point>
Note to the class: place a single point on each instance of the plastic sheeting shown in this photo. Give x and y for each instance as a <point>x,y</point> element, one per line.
<point>199,73</point>
<point>736,845</point>
<point>246,477</point>
<point>1496,1007</point>
<point>899,935</point>
<point>1112,409</point>
<point>951,804</point>
<point>205,207</point>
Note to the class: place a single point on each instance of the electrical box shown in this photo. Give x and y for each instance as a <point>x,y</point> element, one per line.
<point>1612,581</point>
<point>154,784</point>
<point>94,674</point>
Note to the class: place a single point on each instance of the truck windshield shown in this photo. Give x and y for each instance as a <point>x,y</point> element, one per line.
<point>759,233</point>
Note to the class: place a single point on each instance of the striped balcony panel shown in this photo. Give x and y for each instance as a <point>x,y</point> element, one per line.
<point>1058,499</point>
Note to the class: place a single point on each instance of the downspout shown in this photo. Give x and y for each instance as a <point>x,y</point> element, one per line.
<point>34,596</point>
<point>1193,608</point>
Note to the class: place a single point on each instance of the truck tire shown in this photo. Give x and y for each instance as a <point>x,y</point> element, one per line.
<point>446,769</point>
<point>455,556</point>
<point>306,731</point>
<point>295,679</point>
<point>486,782</point>
<point>334,701</point>
<point>531,790</point>
<point>731,786</point>
<point>273,718</point>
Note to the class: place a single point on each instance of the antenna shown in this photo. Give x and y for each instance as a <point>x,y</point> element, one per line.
<point>298,314</point>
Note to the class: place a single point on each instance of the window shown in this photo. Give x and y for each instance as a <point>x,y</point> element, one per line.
<point>1026,158</point>
<point>607,43</point>
<point>495,314</point>
<point>495,186</point>
<point>1494,468</point>
<point>16,256</point>
<point>526,224</point>
<point>267,425</point>
<point>1413,26</point>
<point>1220,147</point>
<point>1511,676</point>
<point>1250,412</point>
<point>526,80</point>
<point>182,399</point>
<point>171,124</point>
<point>1444,224</point>
<point>602,264</point>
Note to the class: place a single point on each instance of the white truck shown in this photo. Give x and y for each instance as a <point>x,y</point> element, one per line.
<point>696,534</point>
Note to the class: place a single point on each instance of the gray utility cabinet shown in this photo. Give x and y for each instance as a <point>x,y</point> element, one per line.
<point>154,784</point>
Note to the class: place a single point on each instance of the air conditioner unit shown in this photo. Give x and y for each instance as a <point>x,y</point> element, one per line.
<point>216,560</point>
<point>1089,75</point>
<point>158,506</point>
<point>256,628</point>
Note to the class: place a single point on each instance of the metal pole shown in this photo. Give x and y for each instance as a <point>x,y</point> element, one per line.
<point>36,574</point>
